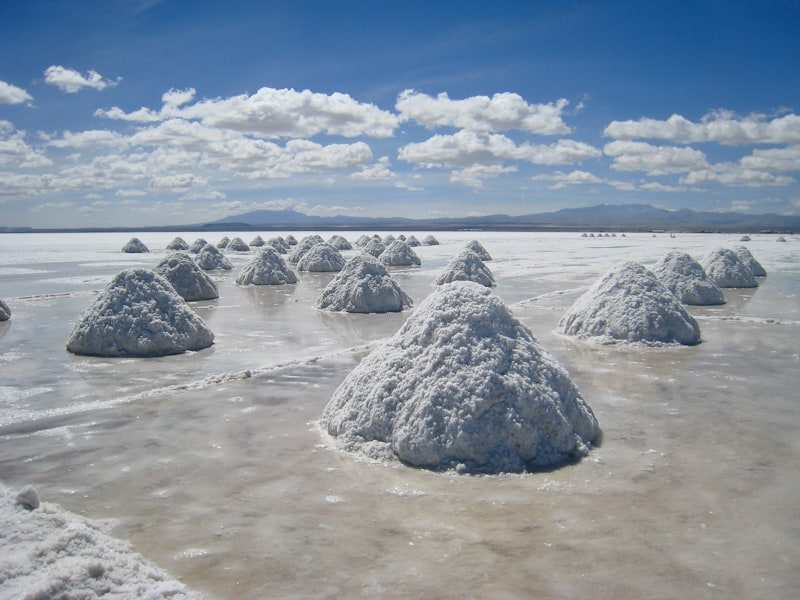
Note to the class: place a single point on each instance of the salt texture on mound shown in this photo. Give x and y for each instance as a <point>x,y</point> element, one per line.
<point>223,243</point>
<point>374,247</point>
<point>684,276</point>
<point>135,246</point>
<point>138,314</point>
<point>257,242</point>
<point>291,240</point>
<point>321,258</point>
<point>266,268</point>
<point>363,286</point>
<point>726,268</point>
<point>362,240</point>
<point>467,266</point>
<point>189,280</point>
<point>178,244</point>
<point>429,240</point>
<point>302,248</point>
<point>5,311</point>
<point>237,244</point>
<point>279,244</point>
<point>197,245</point>
<point>399,254</point>
<point>51,553</point>
<point>210,259</point>
<point>750,261</point>
<point>339,242</point>
<point>478,249</point>
<point>413,242</point>
<point>462,385</point>
<point>630,304</point>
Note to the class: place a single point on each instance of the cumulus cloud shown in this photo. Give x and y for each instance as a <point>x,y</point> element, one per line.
<point>653,160</point>
<point>88,138</point>
<point>71,81</point>
<point>16,152</point>
<point>562,180</point>
<point>11,94</point>
<point>378,171</point>
<point>735,175</point>
<point>475,175</point>
<point>775,159</point>
<point>503,111</point>
<point>722,127</point>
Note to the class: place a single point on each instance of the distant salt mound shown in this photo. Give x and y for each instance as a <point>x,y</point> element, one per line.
<point>178,244</point>
<point>210,259</point>
<point>467,266</point>
<point>362,240</point>
<point>197,245</point>
<point>321,258</point>
<point>401,237</point>
<point>780,238</point>
<point>374,247</point>
<point>727,269</point>
<point>478,249</point>
<point>301,249</point>
<point>744,238</point>
<point>363,286</point>
<point>5,311</point>
<point>429,240</point>
<point>339,242</point>
<point>413,242</point>
<point>388,239</point>
<point>138,314</point>
<point>629,304</point>
<point>237,244</point>
<point>399,254</point>
<point>279,244</point>
<point>266,268</point>
<point>257,242</point>
<point>291,240</point>
<point>51,553</point>
<point>462,385</point>
<point>223,243</point>
<point>188,279</point>
<point>749,261</point>
<point>135,246</point>
<point>684,276</point>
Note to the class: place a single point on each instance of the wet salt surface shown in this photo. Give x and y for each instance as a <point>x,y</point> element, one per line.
<point>232,488</point>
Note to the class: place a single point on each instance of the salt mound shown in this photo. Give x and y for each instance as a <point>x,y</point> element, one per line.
<point>429,240</point>
<point>683,276</point>
<point>630,304</point>
<point>210,258</point>
<point>291,240</point>
<point>744,238</point>
<point>339,242</point>
<point>401,237</point>
<point>478,249</point>
<point>780,238</point>
<point>462,385</point>
<point>257,242</point>
<point>362,241</point>
<point>5,311</point>
<point>363,286</point>
<point>135,246</point>
<point>301,249</point>
<point>399,254</point>
<point>374,247</point>
<point>189,280</point>
<point>322,258</point>
<point>237,244</point>
<point>223,243</point>
<point>138,314</point>
<point>413,241</point>
<point>178,244</point>
<point>727,269</point>
<point>266,268</point>
<point>197,245</point>
<point>51,553</point>
<point>387,239</point>
<point>749,261</point>
<point>279,244</point>
<point>467,266</point>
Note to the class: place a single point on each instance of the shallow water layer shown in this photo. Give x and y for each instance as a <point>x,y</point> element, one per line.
<point>230,485</point>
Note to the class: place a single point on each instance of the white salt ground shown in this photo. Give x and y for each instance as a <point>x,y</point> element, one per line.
<point>726,268</point>
<point>466,266</point>
<point>462,385</point>
<point>363,286</point>
<point>188,279</point>
<point>266,268</point>
<point>684,276</point>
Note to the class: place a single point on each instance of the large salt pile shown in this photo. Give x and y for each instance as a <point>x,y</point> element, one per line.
<point>321,258</point>
<point>374,247</point>
<point>478,249</point>
<point>727,269</point>
<point>362,240</point>
<point>257,242</point>
<point>178,244</point>
<point>135,246</point>
<point>750,261</point>
<point>388,239</point>
<point>279,244</point>
<point>5,311</point>
<point>189,280</point>
<point>340,242</point>
<point>429,240</point>
<point>138,314</point>
<point>266,268</point>
<point>237,244</point>
<point>399,254</point>
<point>467,266</point>
<point>363,286</point>
<point>630,304</point>
<point>210,259</point>
<point>51,553</point>
<point>197,245</point>
<point>301,249</point>
<point>684,276</point>
<point>462,385</point>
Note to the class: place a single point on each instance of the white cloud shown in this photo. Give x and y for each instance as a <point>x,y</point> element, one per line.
<point>775,159</point>
<point>178,97</point>
<point>379,171</point>
<point>653,160</point>
<point>655,186</point>
<point>562,180</point>
<point>89,138</point>
<point>474,175</point>
<point>722,127</point>
<point>130,193</point>
<point>71,81</point>
<point>503,111</point>
<point>11,94</point>
<point>730,174</point>
<point>16,152</point>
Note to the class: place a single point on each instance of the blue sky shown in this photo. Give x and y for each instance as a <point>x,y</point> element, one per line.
<point>157,112</point>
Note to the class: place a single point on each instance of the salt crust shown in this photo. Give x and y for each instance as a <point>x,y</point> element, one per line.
<point>462,385</point>
<point>188,279</point>
<point>138,314</point>
<point>466,266</point>
<point>363,286</point>
<point>749,261</point>
<point>237,244</point>
<point>178,244</point>
<point>374,247</point>
<point>135,246</point>
<point>197,245</point>
<point>339,242</point>
<point>684,276</point>
<point>321,258</point>
<point>266,268</point>
<point>209,259</point>
<point>725,267</point>
<point>478,249</point>
<point>5,311</point>
<point>629,304</point>
<point>429,240</point>
<point>399,254</point>
<point>51,553</point>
